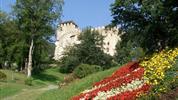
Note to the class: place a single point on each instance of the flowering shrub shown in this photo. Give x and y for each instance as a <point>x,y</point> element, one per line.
<point>156,66</point>
<point>126,83</point>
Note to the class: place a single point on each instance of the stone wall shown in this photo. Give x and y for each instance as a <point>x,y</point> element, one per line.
<point>67,34</point>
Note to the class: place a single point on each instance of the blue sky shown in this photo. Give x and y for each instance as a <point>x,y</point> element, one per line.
<point>83,12</point>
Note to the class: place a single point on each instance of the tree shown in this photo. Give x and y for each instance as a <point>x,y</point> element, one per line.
<point>151,23</point>
<point>3,18</point>
<point>9,40</point>
<point>123,53</point>
<point>89,51</point>
<point>37,20</point>
<point>130,52</point>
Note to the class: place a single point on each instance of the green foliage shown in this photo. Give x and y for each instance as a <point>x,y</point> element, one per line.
<point>29,81</point>
<point>33,20</point>
<point>87,52</point>
<point>129,52</point>
<point>152,23</point>
<point>2,76</point>
<point>122,53</point>
<point>84,69</point>
<point>9,41</point>
<point>36,20</point>
<point>69,64</point>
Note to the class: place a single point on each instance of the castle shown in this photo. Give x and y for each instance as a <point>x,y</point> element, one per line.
<point>68,32</point>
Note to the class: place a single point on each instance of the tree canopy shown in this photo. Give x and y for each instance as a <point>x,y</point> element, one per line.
<point>151,23</point>
<point>9,40</point>
<point>37,21</point>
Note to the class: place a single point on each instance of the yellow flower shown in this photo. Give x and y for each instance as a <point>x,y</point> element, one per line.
<point>156,66</point>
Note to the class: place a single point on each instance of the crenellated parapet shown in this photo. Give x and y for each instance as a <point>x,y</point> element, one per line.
<point>106,30</point>
<point>66,28</point>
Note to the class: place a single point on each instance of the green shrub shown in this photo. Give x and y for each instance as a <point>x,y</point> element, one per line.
<point>2,76</point>
<point>129,51</point>
<point>84,69</point>
<point>68,64</point>
<point>29,81</point>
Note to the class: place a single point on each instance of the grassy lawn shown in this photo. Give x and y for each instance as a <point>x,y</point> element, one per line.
<point>8,89</point>
<point>66,92</point>
<point>15,86</point>
<point>15,82</point>
<point>49,76</point>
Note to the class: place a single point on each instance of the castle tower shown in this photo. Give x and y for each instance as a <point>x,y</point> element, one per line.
<point>68,32</point>
<point>66,35</point>
<point>111,38</point>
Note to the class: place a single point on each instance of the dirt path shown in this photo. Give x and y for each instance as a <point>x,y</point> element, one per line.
<point>30,94</point>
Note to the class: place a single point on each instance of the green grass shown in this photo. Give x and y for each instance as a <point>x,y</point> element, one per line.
<point>15,82</point>
<point>74,88</point>
<point>8,89</point>
<point>14,76</point>
<point>15,85</point>
<point>51,75</point>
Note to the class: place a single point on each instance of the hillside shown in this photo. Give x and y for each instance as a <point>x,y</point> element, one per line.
<point>74,88</point>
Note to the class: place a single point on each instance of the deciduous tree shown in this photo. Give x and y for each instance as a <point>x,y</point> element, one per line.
<point>37,20</point>
<point>151,23</point>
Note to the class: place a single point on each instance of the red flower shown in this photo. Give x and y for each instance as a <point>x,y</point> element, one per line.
<point>123,75</point>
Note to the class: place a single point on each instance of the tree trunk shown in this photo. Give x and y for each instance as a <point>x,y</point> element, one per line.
<point>29,67</point>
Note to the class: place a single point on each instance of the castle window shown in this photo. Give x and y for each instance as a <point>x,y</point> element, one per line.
<point>107,49</point>
<point>108,43</point>
<point>72,36</point>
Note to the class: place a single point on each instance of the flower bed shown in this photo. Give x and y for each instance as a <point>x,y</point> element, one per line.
<point>132,80</point>
<point>158,64</point>
<point>125,84</point>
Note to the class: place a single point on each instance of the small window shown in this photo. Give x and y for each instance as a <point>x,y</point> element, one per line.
<point>72,36</point>
<point>107,49</point>
<point>108,43</point>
